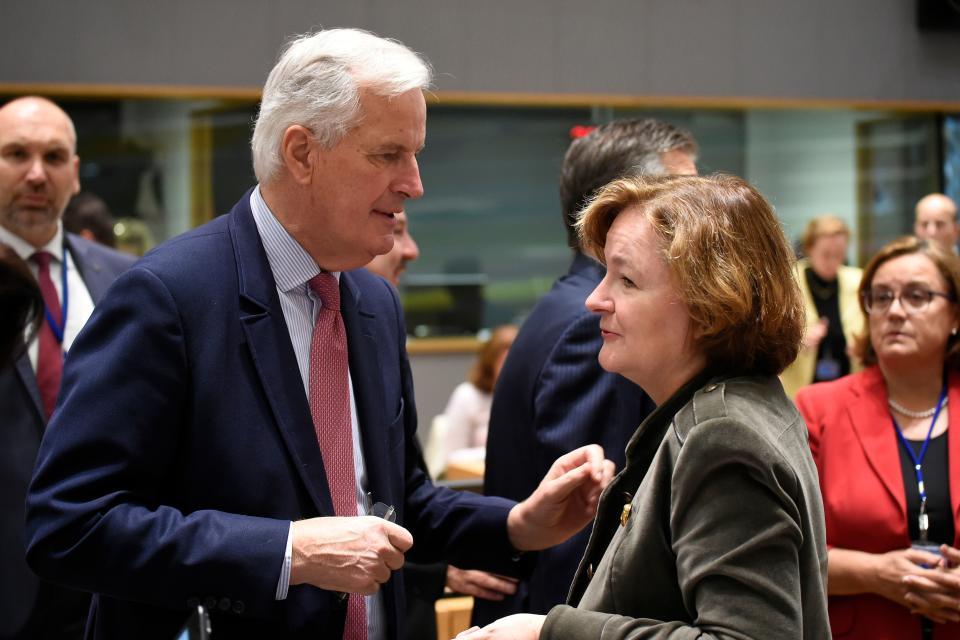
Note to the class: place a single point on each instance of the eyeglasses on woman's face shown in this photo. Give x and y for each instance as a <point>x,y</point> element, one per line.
<point>913,299</point>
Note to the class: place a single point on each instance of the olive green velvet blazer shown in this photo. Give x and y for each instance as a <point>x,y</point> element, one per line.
<point>714,528</point>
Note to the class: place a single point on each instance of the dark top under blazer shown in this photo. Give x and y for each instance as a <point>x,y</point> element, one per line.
<point>552,397</point>
<point>22,423</point>
<point>725,537</point>
<point>184,445</point>
<point>857,454</point>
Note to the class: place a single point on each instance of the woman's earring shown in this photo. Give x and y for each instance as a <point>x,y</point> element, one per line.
<point>953,332</point>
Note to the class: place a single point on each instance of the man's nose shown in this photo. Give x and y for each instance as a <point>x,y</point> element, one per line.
<point>410,249</point>
<point>36,172</point>
<point>410,185</point>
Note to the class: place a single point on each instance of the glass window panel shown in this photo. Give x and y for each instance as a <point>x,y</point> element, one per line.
<point>489,228</point>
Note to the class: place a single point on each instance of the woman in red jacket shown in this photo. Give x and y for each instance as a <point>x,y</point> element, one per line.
<point>887,447</point>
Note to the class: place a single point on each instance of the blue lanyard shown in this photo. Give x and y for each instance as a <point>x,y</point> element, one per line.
<point>58,331</point>
<point>923,520</point>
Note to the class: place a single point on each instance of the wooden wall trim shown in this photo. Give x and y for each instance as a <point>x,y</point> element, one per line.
<point>444,345</point>
<point>483,98</point>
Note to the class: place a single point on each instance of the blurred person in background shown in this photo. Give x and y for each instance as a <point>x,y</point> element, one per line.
<point>714,528</point>
<point>392,264</point>
<point>887,445</point>
<point>833,317</point>
<point>88,216</point>
<point>936,219</point>
<point>468,410</point>
<point>39,172</point>
<point>553,395</point>
<point>425,583</point>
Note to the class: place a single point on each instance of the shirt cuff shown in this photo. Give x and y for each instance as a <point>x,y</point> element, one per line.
<point>283,584</point>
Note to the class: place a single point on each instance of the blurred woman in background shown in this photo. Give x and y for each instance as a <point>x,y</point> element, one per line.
<point>833,315</point>
<point>468,410</point>
<point>887,446</point>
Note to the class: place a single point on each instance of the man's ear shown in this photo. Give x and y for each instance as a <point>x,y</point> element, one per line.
<point>76,174</point>
<point>296,152</point>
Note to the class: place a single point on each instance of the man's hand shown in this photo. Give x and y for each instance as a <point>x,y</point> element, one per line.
<point>350,555</point>
<point>522,626</point>
<point>564,503</point>
<point>480,584</point>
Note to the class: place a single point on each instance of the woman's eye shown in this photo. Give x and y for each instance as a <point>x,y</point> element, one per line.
<point>627,282</point>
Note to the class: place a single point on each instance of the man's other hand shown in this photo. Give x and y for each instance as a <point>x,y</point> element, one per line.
<point>564,502</point>
<point>480,584</point>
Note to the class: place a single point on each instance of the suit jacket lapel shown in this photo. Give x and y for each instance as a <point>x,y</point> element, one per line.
<point>953,446</point>
<point>873,426</point>
<point>367,388</point>
<point>268,340</point>
<point>92,271</point>
<point>29,379</point>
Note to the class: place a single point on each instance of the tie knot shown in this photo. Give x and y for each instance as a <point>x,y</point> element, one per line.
<point>42,258</point>
<point>327,288</point>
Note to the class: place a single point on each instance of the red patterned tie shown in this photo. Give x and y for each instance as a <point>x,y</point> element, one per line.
<point>50,352</point>
<point>330,408</point>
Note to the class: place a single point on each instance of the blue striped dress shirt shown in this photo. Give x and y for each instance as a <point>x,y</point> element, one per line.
<point>292,269</point>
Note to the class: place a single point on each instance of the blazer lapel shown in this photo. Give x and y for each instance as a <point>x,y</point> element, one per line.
<point>873,426</point>
<point>268,340</point>
<point>953,447</point>
<point>29,379</point>
<point>94,275</point>
<point>367,388</point>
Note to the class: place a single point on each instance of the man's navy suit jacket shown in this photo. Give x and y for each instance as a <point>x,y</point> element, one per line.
<point>172,469</point>
<point>22,422</point>
<point>552,396</point>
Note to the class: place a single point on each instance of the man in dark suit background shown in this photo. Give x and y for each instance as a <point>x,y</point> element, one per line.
<point>552,395</point>
<point>38,175</point>
<point>253,400</point>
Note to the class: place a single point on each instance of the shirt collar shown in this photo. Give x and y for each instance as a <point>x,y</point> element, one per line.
<point>24,249</point>
<point>292,266</point>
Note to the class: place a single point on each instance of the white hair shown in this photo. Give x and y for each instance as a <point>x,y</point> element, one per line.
<point>317,82</point>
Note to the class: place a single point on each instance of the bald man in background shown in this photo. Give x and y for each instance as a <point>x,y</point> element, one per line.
<point>39,172</point>
<point>392,264</point>
<point>936,219</point>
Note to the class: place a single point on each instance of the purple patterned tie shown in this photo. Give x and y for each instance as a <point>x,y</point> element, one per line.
<point>330,408</point>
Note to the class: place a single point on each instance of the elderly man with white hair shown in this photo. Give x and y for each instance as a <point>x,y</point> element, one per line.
<point>252,409</point>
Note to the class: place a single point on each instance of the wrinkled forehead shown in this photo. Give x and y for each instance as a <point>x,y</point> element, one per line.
<point>909,269</point>
<point>37,122</point>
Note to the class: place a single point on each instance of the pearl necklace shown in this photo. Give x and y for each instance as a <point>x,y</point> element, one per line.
<point>913,414</point>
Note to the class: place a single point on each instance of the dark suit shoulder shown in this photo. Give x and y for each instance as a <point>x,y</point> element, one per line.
<point>177,258</point>
<point>114,260</point>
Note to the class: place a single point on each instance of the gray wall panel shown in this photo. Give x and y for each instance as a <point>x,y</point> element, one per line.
<point>854,49</point>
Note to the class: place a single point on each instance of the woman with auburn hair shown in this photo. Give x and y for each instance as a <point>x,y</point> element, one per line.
<point>714,528</point>
<point>833,317</point>
<point>887,446</point>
